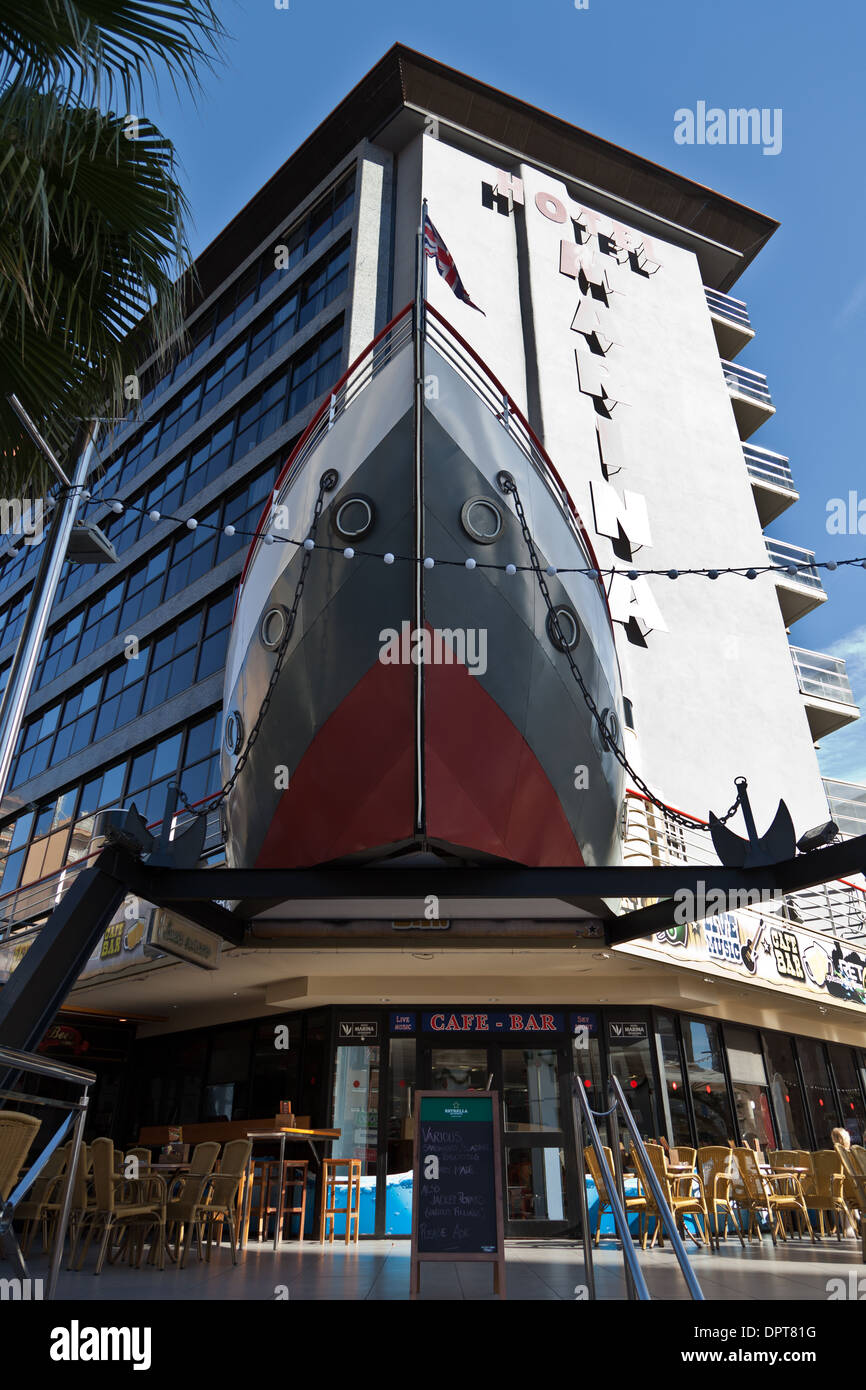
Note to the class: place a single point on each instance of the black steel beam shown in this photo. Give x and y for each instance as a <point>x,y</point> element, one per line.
<point>40,983</point>
<point>145,883</point>
<point>267,887</point>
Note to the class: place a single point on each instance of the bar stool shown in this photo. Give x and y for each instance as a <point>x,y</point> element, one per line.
<point>332,1177</point>
<point>273,1193</point>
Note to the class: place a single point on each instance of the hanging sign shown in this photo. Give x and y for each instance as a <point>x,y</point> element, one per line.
<point>457,1182</point>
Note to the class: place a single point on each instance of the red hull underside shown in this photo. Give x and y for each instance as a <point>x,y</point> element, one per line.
<point>354,790</point>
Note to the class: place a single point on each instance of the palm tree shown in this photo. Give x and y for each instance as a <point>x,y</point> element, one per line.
<point>92,234</point>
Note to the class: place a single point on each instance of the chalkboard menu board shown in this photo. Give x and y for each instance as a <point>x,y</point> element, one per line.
<point>457,1189</point>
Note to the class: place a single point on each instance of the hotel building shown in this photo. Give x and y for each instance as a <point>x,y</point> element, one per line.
<point>605,282</point>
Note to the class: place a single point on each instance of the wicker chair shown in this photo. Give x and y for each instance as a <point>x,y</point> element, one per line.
<point>681,1197</point>
<point>221,1204</point>
<point>784,1158</point>
<point>35,1210</point>
<point>776,1193</point>
<point>857,1179</point>
<point>139,1207</point>
<point>824,1190</point>
<point>858,1155</point>
<point>638,1203</point>
<point>17,1133</point>
<point>180,1213</point>
<point>715,1165</point>
<point>686,1154</point>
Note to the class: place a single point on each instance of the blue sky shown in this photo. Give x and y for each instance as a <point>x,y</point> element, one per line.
<point>621,68</point>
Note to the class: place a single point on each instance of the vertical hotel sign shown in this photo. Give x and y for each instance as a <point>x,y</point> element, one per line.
<point>593,251</point>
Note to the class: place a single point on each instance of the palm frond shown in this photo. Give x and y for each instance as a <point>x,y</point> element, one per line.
<point>101,48</point>
<point>91,241</point>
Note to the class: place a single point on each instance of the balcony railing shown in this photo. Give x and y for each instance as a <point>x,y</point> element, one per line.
<point>837,908</point>
<point>847,801</point>
<point>799,564</point>
<point>747,383</point>
<point>767,467</point>
<point>726,307</point>
<point>823,676</point>
<point>31,902</point>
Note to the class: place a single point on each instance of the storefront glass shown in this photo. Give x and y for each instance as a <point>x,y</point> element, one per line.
<point>356,1105</point>
<point>401,1105</point>
<point>842,1060</point>
<point>674,1101</point>
<point>530,1089</point>
<point>276,1055</point>
<point>630,1056</point>
<point>536,1184</point>
<point>785,1091</point>
<point>819,1093</point>
<point>749,1084</point>
<point>713,1118</point>
<point>458,1069</point>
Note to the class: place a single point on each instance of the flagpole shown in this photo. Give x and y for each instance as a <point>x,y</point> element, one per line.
<point>419,327</point>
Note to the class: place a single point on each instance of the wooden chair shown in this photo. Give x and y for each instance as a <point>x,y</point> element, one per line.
<point>332,1180</point>
<point>715,1165</point>
<point>638,1203</point>
<point>121,1205</point>
<point>775,1193</point>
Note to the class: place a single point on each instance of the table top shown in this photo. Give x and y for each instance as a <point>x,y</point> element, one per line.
<point>168,1167</point>
<point>783,1169</point>
<point>681,1167</point>
<point>292,1133</point>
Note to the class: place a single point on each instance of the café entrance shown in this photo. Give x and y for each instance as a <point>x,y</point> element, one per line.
<point>532,1078</point>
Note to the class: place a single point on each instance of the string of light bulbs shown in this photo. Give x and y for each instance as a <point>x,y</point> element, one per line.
<point>792,568</point>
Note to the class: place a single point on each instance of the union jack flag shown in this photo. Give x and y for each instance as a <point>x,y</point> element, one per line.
<point>435,246</point>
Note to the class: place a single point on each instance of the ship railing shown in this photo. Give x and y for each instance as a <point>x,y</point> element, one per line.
<point>25,907</point>
<point>465,361</point>
<point>393,338</point>
<point>653,837</point>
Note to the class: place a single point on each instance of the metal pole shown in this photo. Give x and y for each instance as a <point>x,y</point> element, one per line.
<point>659,1197</point>
<point>619,1214</point>
<point>419,327</point>
<point>613,1133</point>
<point>589,1271</point>
<point>23,668</point>
<point>68,1186</point>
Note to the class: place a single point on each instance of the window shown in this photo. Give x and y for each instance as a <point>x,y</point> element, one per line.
<point>674,1100</point>
<point>843,1062</point>
<point>819,1094</point>
<point>785,1090</point>
<point>703,1049</point>
<point>749,1085</point>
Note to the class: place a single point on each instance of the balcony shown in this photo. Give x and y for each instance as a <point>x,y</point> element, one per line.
<point>847,802</point>
<point>798,585</point>
<point>750,397</point>
<point>772,482</point>
<point>730,320</point>
<point>824,685</point>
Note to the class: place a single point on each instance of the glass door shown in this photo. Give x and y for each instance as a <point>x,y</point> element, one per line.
<point>537,1135</point>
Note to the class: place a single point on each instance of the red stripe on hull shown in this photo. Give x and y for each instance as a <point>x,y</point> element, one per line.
<point>485,788</point>
<point>354,789</point>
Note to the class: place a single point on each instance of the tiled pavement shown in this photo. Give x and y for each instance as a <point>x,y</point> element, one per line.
<point>536,1270</point>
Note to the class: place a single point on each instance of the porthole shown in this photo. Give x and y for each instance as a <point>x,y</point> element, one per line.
<point>482,519</point>
<point>234,734</point>
<point>569,629</point>
<point>272,628</point>
<point>610,724</point>
<point>354,518</point>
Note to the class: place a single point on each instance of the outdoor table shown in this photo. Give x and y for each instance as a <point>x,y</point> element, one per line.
<point>310,1136</point>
